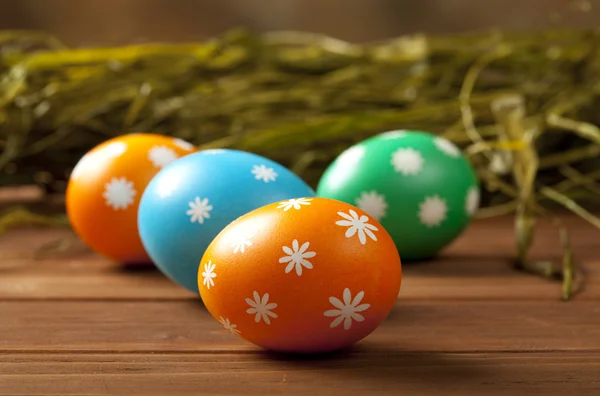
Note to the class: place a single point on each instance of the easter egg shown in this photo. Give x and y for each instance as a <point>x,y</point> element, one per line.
<point>105,187</point>
<point>309,275</point>
<point>421,188</point>
<point>190,201</point>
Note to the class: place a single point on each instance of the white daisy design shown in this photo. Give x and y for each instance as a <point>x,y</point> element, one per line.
<point>357,225</point>
<point>408,161</point>
<point>161,156</point>
<point>392,135</point>
<point>230,327</point>
<point>119,193</point>
<point>447,147</point>
<point>261,172</point>
<point>209,274</point>
<point>433,211</point>
<point>199,210</point>
<point>352,155</point>
<point>94,159</point>
<point>472,201</point>
<point>182,144</point>
<point>295,203</point>
<point>347,310</point>
<point>242,243</point>
<point>372,203</point>
<point>296,257</point>
<point>261,308</point>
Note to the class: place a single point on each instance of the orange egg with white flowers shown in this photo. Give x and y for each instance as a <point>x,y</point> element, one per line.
<point>305,275</point>
<point>106,185</point>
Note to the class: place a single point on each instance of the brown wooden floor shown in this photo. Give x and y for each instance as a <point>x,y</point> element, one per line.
<point>465,324</point>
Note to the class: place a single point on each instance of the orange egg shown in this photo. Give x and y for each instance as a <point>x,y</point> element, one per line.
<point>106,185</point>
<point>304,275</point>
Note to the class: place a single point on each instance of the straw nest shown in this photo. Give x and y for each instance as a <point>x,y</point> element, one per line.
<point>522,107</point>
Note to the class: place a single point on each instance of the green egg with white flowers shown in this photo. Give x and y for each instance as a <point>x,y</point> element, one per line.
<point>420,187</point>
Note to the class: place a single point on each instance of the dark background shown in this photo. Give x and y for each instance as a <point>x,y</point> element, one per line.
<point>117,22</point>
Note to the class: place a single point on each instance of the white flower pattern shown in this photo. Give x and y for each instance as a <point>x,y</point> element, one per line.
<point>447,147</point>
<point>161,156</point>
<point>347,310</point>
<point>432,211</point>
<point>407,161</point>
<point>199,210</point>
<point>94,159</point>
<point>472,201</point>
<point>357,225</point>
<point>209,274</point>
<point>230,327</point>
<point>261,308</point>
<point>119,193</point>
<point>296,257</point>
<point>372,203</point>
<point>295,203</point>
<point>262,172</point>
<point>242,243</point>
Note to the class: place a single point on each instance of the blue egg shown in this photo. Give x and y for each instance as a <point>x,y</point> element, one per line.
<point>192,199</point>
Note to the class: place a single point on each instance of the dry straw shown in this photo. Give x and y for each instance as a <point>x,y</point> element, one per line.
<point>522,106</point>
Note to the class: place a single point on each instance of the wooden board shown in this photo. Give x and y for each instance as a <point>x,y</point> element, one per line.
<point>177,326</point>
<point>466,323</point>
<point>465,270</point>
<point>361,373</point>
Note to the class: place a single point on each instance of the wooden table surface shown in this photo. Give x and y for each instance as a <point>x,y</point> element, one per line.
<point>464,324</point>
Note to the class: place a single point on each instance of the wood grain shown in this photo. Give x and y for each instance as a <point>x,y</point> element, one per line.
<point>477,266</point>
<point>178,326</point>
<point>419,284</point>
<point>390,372</point>
<point>465,323</point>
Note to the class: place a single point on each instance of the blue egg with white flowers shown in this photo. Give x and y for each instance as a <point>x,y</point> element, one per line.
<point>189,202</point>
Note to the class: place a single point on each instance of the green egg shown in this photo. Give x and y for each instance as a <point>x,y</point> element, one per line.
<point>419,186</point>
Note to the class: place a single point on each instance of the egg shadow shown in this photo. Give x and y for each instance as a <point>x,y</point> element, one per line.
<point>377,366</point>
<point>137,268</point>
<point>147,271</point>
<point>379,362</point>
